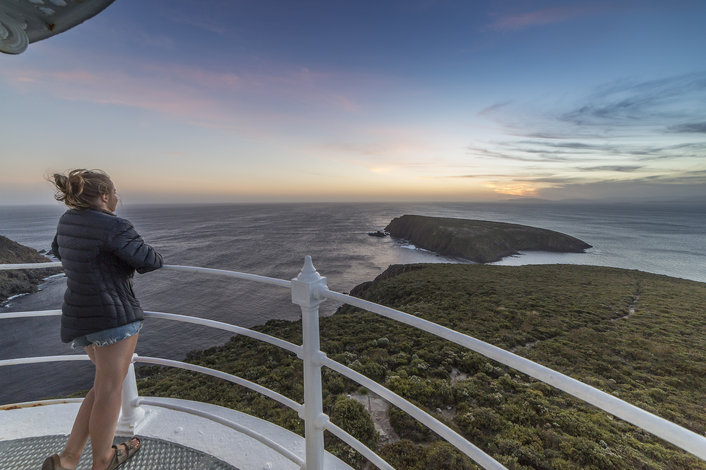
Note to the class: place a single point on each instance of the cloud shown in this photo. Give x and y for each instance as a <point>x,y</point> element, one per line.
<point>690,177</point>
<point>652,129</point>
<point>505,152</point>
<point>489,110</point>
<point>692,127</point>
<point>615,168</point>
<point>221,99</point>
<point>637,190</point>
<point>477,176</point>
<point>552,181</point>
<point>647,103</point>
<point>578,146</point>
<point>542,17</point>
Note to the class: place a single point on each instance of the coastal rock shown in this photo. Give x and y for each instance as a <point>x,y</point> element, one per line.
<point>20,281</point>
<point>378,233</point>
<point>479,240</point>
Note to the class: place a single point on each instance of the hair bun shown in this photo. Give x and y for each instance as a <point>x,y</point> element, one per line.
<point>61,182</point>
<point>76,183</point>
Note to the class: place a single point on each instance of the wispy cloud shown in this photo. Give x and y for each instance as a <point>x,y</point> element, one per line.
<point>547,16</point>
<point>490,110</point>
<point>506,152</point>
<point>647,103</point>
<point>691,127</point>
<point>222,99</point>
<point>625,131</point>
<point>612,168</point>
<point>628,122</point>
<point>481,176</point>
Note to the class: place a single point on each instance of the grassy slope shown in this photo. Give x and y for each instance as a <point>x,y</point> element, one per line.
<point>576,319</point>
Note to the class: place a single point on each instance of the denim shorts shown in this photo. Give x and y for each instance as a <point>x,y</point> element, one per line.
<point>107,337</point>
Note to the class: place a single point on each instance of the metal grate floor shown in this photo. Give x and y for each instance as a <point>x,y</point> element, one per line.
<point>29,453</point>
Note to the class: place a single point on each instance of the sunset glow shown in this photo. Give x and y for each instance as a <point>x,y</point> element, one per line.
<point>275,101</point>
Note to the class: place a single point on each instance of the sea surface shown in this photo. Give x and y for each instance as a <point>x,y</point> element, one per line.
<point>273,239</point>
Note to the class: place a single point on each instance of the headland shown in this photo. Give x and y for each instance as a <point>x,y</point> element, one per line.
<point>17,282</point>
<point>479,240</point>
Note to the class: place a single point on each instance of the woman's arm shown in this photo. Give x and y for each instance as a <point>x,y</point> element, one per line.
<point>129,246</point>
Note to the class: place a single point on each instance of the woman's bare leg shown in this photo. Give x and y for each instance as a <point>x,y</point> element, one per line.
<point>79,433</point>
<point>112,363</point>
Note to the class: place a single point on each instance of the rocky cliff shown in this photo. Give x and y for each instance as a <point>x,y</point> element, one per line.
<point>20,281</point>
<point>478,240</point>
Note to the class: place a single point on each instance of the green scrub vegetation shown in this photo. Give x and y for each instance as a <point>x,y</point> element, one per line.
<point>638,336</point>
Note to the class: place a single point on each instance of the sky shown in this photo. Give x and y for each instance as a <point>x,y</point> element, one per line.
<point>416,100</point>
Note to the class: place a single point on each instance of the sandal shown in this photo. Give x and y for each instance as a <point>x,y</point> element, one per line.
<point>123,452</point>
<point>53,463</point>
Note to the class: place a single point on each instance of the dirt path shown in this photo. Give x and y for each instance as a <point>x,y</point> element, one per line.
<point>378,408</point>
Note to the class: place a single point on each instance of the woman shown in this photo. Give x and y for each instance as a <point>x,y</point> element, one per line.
<point>100,253</point>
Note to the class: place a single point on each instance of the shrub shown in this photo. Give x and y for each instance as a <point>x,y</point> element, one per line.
<point>352,417</point>
<point>407,427</point>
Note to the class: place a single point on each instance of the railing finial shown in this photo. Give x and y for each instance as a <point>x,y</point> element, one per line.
<point>308,272</point>
<point>307,286</point>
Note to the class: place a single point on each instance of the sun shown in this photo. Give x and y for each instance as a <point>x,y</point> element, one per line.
<point>513,189</point>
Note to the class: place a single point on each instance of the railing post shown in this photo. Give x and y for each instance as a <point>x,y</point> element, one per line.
<point>305,293</point>
<point>130,413</point>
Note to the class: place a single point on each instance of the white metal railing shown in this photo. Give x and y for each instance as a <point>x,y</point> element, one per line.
<point>308,291</point>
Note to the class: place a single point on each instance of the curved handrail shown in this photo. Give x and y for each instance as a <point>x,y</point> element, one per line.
<point>42,359</point>
<point>52,264</point>
<point>171,267</point>
<point>226,273</point>
<point>30,313</point>
<point>291,347</point>
<point>165,362</point>
<point>222,375</point>
<point>257,436</point>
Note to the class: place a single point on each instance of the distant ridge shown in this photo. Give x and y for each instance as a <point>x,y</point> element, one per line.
<point>479,240</point>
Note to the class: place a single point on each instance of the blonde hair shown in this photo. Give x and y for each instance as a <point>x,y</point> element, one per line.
<point>80,189</point>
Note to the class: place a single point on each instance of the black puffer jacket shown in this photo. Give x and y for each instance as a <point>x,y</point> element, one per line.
<point>100,253</point>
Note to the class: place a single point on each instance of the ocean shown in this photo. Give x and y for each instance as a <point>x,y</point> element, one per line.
<point>272,240</point>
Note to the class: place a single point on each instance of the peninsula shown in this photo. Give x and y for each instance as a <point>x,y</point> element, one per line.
<point>479,240</point>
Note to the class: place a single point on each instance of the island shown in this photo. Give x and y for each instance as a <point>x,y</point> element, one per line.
<point>16,282</point>
<point>479,240</point>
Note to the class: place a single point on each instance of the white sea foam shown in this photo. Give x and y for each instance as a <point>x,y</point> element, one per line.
<point>16,296</point>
